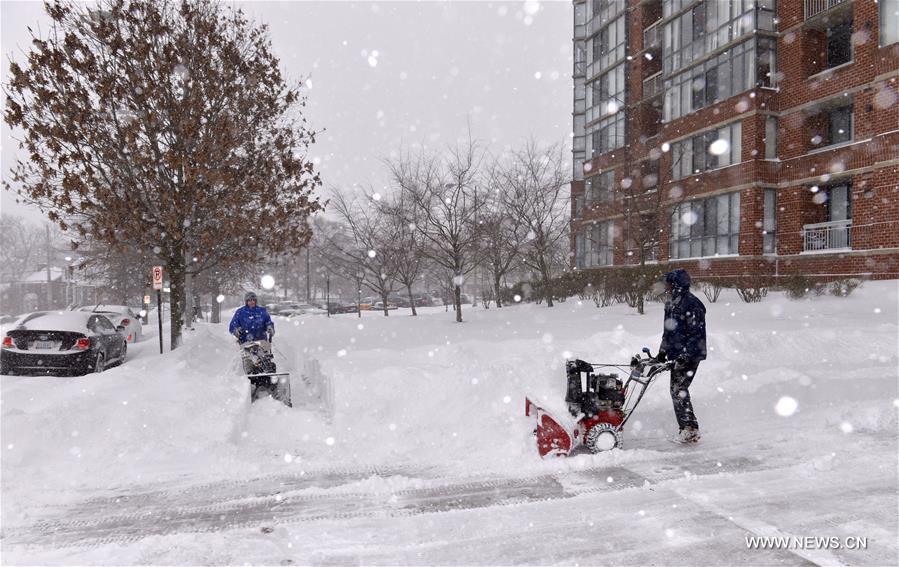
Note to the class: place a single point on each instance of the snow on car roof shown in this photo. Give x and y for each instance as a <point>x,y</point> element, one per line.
<point>107,308</point>
<point>74,321</point>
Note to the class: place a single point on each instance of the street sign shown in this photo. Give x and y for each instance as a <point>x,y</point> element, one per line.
<point>157,277</point>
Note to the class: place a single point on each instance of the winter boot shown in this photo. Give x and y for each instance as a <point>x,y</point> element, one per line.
<point>687,435</point>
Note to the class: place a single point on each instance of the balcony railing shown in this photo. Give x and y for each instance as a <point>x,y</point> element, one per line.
<point>652,36</point>
<point>834,235</point>
<point>815,7</point>
<point>653,86</point>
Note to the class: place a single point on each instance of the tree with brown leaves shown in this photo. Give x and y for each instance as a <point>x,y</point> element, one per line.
<point>166,127</point>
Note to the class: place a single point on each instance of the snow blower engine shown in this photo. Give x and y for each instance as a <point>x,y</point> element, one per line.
<point>598,399</point>
<point>599,405</point>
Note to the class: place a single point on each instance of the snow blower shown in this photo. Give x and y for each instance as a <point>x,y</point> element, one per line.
<point>259,366</point>
<point>599,404</point>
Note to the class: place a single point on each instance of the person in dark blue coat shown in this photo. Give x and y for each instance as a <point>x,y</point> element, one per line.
<point>251,322</point>
<point>683,341</point>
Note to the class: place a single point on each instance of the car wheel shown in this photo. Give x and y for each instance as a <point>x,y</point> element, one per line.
<point>124,351</point>
<point>99,363</point>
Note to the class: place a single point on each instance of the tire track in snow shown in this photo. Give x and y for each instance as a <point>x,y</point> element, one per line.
<point>102,521</point>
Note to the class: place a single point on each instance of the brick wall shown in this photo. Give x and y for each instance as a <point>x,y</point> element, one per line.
<point>870,161</point>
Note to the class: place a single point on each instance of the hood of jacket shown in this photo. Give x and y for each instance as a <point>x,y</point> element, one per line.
<point>679,280</point>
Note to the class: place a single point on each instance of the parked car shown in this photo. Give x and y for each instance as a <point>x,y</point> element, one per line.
<point>120,315</point>
<point>62,342</point>
<point>345,308</point>
<point>379,306</point>
<point>7,319</point>
<point>302,309</point>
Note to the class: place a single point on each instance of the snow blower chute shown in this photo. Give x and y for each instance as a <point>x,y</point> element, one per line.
<point>599,404</point>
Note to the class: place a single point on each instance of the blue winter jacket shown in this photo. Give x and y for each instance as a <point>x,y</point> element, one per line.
<point>684,333</point>
<point>253,323</point>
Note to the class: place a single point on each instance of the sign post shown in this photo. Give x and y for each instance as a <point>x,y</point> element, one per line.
<point>157,285</point>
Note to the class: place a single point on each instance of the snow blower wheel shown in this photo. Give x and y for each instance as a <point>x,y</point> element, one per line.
<point>602,437</point>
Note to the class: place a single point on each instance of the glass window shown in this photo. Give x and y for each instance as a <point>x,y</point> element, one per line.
<point>599,188</point>
<point>839,44</point>
<point>888,10</point>
<point>770,137</point>
<point>766,72</point>
<point>709,150</point>
<point>839,204</point>
<point>840,125</point>
<point>599,245</point>
<point>769,223</point>
<point>606,9</point>
<point>719,78</point>
<point>579,250</point>
<point>608,134</point>
<point>609,43</point>
<point>705,227</point>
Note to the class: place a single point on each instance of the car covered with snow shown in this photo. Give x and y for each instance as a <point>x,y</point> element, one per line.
<point>120,315</point>
<point>62,342</point>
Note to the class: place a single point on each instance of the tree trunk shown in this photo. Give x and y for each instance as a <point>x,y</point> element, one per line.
<point>216,315</point>
<point>384,303</point>
<point>457,299</point>
<point>411,300</point>
<point>176,295</point>
<point>496,290</point>
<point>547,286</point>
<point>188,314</point>
<point>641,282</point>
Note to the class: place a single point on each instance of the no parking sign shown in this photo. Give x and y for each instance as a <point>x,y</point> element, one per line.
<point>157,277</point>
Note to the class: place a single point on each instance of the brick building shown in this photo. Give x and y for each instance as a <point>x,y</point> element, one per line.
<point>742,136</point>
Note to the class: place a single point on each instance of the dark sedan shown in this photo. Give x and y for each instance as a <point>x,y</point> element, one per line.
<point>67,342</point>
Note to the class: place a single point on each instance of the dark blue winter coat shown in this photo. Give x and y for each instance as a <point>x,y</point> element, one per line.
<point>253,323</point>
<point>684,332</point>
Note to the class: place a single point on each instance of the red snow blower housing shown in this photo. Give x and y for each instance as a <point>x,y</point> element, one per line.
<point>599,404</point>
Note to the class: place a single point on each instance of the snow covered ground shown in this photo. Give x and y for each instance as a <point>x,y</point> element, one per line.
<point>425,456</point>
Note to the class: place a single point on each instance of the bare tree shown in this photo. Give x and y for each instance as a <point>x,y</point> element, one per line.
<point>501,234</point>
<point>534,190</point>
<point>374,236</point>
<point>449,200</point>
<point>406,250</point>
<point>23,248</point>
<point>166,126</point>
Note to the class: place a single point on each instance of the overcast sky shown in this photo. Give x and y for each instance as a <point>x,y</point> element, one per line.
<point>386,75</point>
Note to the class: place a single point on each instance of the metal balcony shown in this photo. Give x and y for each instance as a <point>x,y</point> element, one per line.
<point>652,36</point>
<point>815,7</point>
<point>823,236</point>
<point>653,86</point>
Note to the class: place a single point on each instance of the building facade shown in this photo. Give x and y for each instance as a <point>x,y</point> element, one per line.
<point>737,137</point>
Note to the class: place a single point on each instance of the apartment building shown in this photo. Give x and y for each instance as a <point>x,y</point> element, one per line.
<point>741,136</point>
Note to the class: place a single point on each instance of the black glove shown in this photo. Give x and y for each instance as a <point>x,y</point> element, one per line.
<point>270,331</point>
<point>680,361</point>
<point>237,332</point>
<point>662,356</point>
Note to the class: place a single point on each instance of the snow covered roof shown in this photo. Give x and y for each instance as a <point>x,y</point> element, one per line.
<point>39,276</point>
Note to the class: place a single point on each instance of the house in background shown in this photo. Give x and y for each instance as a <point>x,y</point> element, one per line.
<point>47,289</point>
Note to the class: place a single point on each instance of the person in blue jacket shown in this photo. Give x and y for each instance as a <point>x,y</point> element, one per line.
<point>683,341</point>
<point>251,322</point>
